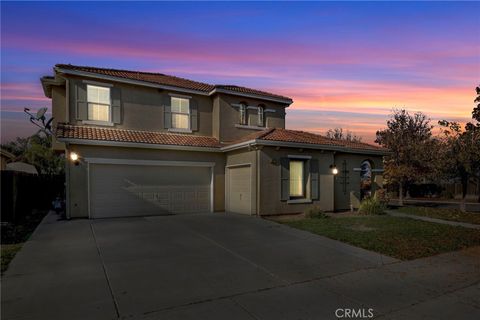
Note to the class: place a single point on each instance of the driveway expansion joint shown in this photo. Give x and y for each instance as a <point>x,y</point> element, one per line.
<point>115,303</point>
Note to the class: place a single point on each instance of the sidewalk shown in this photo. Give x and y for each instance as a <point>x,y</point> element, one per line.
<point>451,223</point>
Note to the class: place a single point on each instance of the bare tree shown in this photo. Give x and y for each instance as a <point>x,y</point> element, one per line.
<point>340,134</point>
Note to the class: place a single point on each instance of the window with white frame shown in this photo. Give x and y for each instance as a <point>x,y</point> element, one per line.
<point>180,113</point>
<point>98,103</point>
<point>243,114</point>
<point>260,116</point>
<point>297,178</point>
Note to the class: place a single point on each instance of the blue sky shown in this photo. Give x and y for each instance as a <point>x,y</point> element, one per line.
<point>344,63</point>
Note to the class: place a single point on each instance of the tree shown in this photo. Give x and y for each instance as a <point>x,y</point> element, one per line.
<point>462,150</point>
<point>37,150</point>
<point>413,152</point>
<point>339,134</point>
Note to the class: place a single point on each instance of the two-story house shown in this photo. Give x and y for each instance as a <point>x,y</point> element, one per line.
<point>141,143</point>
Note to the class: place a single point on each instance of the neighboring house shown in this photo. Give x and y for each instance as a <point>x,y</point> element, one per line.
<point>151,144</point>
<point>5,157</point>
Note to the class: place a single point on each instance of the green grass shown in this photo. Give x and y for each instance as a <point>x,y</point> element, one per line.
<point>8,251</point>
<point>443,213</point>
<point>401,238</point>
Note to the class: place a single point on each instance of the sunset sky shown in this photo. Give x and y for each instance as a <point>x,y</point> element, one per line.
<point>345,64</point>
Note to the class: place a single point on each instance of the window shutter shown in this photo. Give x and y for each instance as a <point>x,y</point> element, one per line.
<point>81,101</point>
<point>193,115</point>
<point>116,105</point>
<point>314,179</point>
<point>167,116</point>
<point>285,179</point>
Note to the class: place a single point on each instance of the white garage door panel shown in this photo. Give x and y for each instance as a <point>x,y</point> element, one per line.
<point>139,190</point>
<point>239,189</point>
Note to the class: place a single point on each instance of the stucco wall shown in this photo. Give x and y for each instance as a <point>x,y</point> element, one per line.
<point>244,157</point>
<point>59,111</point>
<point>142,107</point>
<point>216,117</point>
<point>77,175</point>
<point>270,187</point>
<point>342,195</point>
<point>229,116</point>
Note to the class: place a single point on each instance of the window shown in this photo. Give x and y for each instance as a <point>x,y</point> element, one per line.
<point>98,103</point>
<point>365,180</point>
<point>243,114</point>
<point>297,183</point>
<point>260,119</point>
<point>180,113</point>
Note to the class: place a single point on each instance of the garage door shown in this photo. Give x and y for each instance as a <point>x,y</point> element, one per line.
<point>118,190</point>
<point>239,189</point>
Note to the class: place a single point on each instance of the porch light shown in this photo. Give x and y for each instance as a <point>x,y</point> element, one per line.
<point>73,156</point>
<point>334,169</point>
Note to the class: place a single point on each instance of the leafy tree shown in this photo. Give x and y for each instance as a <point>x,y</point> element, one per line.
<point>413,153</point>
<point>462,149</point>
<point>339,134</point>
<point>37,151</point>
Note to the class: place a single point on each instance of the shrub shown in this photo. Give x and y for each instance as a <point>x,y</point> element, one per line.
<point>382,196</point>
<point>314,212</point>
<point>372,206</point>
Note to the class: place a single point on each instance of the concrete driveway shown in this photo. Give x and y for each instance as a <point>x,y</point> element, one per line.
<point>218,266</point>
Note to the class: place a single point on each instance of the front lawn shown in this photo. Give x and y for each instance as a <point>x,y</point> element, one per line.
<point>443,213</point>
<point>13,235</point>
<point>401,238</point>
<point>8,251</point>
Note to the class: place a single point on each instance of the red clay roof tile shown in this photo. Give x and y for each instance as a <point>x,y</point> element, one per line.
<point>312,138</point>
<point>134,136</point>
<point>295,136</point>
<point>167,80</point>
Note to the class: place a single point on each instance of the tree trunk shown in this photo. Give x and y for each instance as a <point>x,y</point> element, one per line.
<point>463,206</point>
<point>465,179</point>
<point>400,194</point>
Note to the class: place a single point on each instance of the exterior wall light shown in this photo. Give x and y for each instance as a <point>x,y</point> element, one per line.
<point>75,158</point>
<point>334,169</point>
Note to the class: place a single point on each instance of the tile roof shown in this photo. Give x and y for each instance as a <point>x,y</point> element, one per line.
<point>249,91</point>
<point>67,131</point>
<point>157,78</point>
<point>167,80</point>
<point>296,136</point>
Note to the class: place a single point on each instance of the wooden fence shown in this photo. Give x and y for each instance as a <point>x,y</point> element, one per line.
<point>23,192</point>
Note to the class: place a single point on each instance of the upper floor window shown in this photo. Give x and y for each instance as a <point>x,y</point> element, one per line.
<point>243,114</point>
<point>99,103</point>
<point>260,116</point>
<point>180,113</point>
